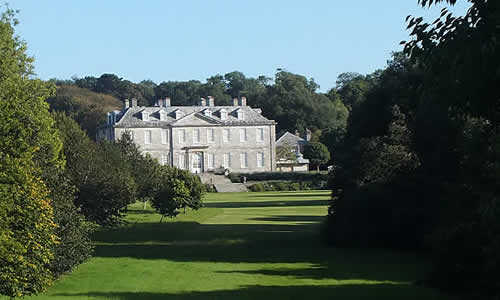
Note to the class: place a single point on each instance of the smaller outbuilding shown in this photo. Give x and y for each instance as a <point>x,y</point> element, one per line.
<point>289,157</point>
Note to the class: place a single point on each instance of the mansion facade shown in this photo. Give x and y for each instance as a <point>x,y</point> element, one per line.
<point>198,138</point>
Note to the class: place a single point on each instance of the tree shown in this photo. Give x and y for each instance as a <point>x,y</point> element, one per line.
<point>460,56</point>
<point>317,153</point>
<point>285,152</point>
<point>101,173</point>
<point>84,106</point>
<point>172,194</point>
<point>25,246</point>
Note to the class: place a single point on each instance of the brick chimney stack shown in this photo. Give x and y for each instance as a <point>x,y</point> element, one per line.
<point>167,103</point>
<point>134,102</point>
<point>126,103</point>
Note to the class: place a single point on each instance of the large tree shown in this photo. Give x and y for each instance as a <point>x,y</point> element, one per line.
<point>27,228</point>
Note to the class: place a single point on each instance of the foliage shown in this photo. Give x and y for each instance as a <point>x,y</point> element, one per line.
<point>193,185</point>
<point>460,55</point>
<point>109,186</point>
<point>269,186</point>
<point>209,188</point>
<point>101,173</point>
<point>86,107</point>
<point>285,152</point>
<point>27,228</point>
<point>172,196</point>
<point>287,176</point>
<point>317,153</point>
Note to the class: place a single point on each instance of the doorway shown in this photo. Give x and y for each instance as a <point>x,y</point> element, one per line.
<point>197,163</point>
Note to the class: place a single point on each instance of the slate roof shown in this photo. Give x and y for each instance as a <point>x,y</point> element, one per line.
<point>132,116</point>
<point>290,139</point>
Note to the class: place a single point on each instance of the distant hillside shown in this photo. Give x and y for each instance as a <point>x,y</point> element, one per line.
<point>86,107</point>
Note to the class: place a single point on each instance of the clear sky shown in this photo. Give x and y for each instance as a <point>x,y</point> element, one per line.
<point>182,40</point>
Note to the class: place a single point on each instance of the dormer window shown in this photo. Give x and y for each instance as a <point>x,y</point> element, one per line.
<point>163,115</point>
<point>179,114</point>
<point>223,114</point>
<point>241,114</point>
<point>145,116</point>
<point>207,113</point>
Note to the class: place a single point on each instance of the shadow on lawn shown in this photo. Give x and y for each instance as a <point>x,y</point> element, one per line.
<point>280,218</point>
<point>293,194</point>
<point>239,204</point>
<point>354,291</point>
<point>254,243</point>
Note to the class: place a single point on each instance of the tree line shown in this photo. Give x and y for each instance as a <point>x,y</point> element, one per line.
<point>418,167</point>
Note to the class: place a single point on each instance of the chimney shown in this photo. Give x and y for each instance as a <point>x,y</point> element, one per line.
<point>134,102</point>
<point>297,132</point>
<point>127,103</point>
<point>160,102</point>
<point>166,103</point>
<point>211,101</point>
<point>243,101</point>
<point>235,102</point>
<point>308,135</point>
<point>203,102</point>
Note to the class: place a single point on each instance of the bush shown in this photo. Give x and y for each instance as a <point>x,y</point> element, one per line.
<point>286,176</point>
<point>398,215</point>
<point>285,186</point>
<point>258,187</point>
<point>294,186</point>
<point>209,188</point>
<point>235,177</point>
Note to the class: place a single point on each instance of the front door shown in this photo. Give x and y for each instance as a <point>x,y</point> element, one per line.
<point>196,162</point>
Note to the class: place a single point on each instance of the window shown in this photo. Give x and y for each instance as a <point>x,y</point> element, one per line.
<point>243,135</point>
<point>260,135</point>
<point>227,160</point>
<point>211,160</point>
<point>241,114</point>
<point>165,159</point>
<point>164,136</point>
<point>244,160</point>
<point>196,136</point>
<point>163,115</point>
<point>227,135</point>
<point>260,159</point>
<point>182,161</point>
<point>179,114</point>
<point>211,135</point>
<point>223,114</point>
<point>145,116</point>
<point>207,112</point>
<point>182,135</point>
<point>147,137</point>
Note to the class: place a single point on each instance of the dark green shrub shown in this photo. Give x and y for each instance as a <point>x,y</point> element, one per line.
<point>235,177</point>
<point>295,186</point>
<point>258,187</point>
<point>286,176</point>
<point>209,188</point>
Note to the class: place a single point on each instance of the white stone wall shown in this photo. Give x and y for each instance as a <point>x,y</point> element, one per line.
<point>174,147</point>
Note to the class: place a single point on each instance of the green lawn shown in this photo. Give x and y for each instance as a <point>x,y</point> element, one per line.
<point>239,246</point>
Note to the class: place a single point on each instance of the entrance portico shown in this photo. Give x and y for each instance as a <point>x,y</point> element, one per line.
<point>195,161</point>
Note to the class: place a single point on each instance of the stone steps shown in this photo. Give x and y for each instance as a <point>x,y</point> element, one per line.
<point>230,187</point>
<point>208,178</point>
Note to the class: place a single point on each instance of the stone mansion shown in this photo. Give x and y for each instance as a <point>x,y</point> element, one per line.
<point>198,138</point>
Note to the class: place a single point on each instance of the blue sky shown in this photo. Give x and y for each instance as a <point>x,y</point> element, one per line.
<point>182,40</point>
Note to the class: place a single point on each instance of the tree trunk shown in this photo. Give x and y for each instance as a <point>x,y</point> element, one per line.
<point>317,168</point>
